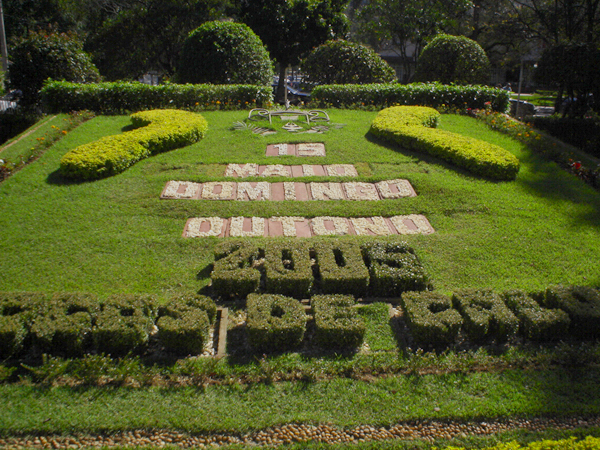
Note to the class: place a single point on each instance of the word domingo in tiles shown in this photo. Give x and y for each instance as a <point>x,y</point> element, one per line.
<point>262,190</point>
<point>290,226</point>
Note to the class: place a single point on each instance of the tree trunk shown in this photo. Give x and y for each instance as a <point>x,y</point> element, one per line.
<point>281,85</point>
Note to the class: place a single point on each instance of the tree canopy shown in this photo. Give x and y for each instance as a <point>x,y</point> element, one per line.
<point>453,59</point>
<point>48,54</point>
<point>126,38</point>
<point>343,62</point>
<point>224,53</point>
<point>400,25</point>
<point>292,28</point>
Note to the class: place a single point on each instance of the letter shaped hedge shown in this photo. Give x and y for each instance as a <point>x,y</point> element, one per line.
<point>413,127</point>
<point>155,132</point>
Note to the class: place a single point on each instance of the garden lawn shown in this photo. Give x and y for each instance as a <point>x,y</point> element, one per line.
<point>115,235</point>
<point>339,402</point>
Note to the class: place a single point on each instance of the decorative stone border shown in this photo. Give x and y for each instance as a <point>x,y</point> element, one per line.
<point>306,149</point>
<point>262,190</point>
<point>294,171</point>
<point>304,227</point>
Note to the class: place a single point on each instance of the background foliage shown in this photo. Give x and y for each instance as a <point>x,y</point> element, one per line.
<point>224,53</point>
<point>341,62</point>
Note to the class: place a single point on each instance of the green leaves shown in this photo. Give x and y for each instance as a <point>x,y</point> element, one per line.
<point>342,62</point>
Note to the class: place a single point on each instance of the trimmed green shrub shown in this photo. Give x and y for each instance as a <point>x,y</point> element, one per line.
<point>341,268</point>
<point>224,53</point>
<point>431,318</point>
<point>485,315</point>
<point>274,322</point>
<point>17,310</point>
<point>393,269</point>
<point>124,97</point>
<point>535,322</point>
<point>434,95</point>
<point>337,323</point>
<point>156,131</point>
<point>235,273</point>
<point>344,62</point>
<point>184,324</point>
<point>124,324</point>
<point>12,335</point>
<point>581,303</point>
<point>412,127</point>
<point>42,55</point>
<point>288,269</point>
<point>64,324</point>
<point>453,59</point>
<point>195,301</point>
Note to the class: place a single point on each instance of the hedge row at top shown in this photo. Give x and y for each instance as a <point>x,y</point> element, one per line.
<point>125,97</point>
<point>72,323</point>
<point>434,95</point>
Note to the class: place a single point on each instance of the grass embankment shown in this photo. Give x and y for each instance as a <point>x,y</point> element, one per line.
<point>115,235</point>
<point>339,402</point>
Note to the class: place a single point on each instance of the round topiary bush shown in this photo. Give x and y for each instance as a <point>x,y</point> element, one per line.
<point>343,62</point>
<point>453,59</point>
<point>46,54</point>
<point>224,53</point>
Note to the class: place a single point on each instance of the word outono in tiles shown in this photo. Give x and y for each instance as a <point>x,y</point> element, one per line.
<point>305,227</point>
<point>262,190</point>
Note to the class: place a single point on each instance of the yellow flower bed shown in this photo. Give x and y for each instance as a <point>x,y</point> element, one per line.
<point>156,131</point>
<point>413,127</point>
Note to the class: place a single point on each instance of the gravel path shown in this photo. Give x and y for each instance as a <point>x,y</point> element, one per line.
<point>289,433</point>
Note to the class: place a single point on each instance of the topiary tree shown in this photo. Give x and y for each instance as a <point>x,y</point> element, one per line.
<point>453,59</point>
<point>47,54</point>
<point>343,62</point>
<point>224,53</point>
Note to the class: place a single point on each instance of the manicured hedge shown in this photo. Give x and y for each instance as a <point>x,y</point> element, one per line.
<point>412,128</point>
<point>431,318</point>
<point>288,268</point>
<point>17,310</point>
<point>485,315</point>
<point>184,324</point>
<point>537,323</point>
<point>235,273</point>
<point>393,269</point>
<point>126,97</point>
<point>156,132</point>
<point>274,322</point>
<point>434,95</point>
<point>124,324</point>
<point>63,324</point>
<point>337,323</point>
<point>341,269</point>
<point>582,304</point>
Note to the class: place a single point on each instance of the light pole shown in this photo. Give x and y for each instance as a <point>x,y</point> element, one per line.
<point>3,41</point>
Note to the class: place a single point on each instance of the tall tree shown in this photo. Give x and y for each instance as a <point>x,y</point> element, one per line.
<point>559,21</point>
<point>292,28</point>
<point>24,16</point>
<point>404,26</point>
<point>129,37</point>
